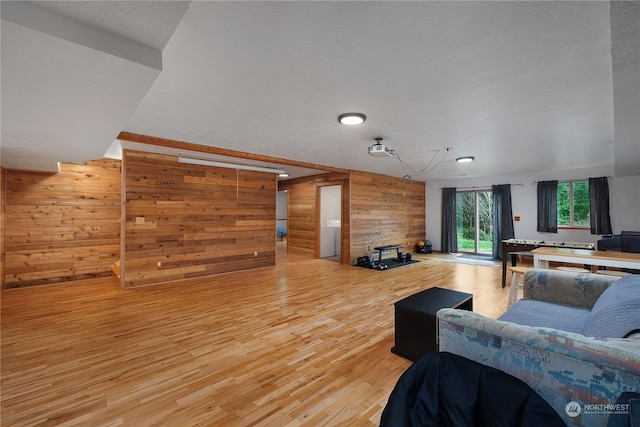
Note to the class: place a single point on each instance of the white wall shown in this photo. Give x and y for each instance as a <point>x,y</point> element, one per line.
<point>330,203</point>
<point>282,205</point>
<point>282,201</point>
<point>624,195</point>
<point>330,210</point>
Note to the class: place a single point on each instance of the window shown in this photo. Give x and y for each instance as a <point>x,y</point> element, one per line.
<point>474,218</point>
<point>573,204</point>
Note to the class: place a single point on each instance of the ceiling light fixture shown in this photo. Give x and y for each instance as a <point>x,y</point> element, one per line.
<point>352,119</point>
<point>203,162</point>
<point>465,159</point>
<point>283,175</point>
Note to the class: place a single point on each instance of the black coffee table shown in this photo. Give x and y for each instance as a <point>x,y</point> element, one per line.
<point>416,327</point>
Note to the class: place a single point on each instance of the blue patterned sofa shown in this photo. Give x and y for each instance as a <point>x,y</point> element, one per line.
<point>573,339</point>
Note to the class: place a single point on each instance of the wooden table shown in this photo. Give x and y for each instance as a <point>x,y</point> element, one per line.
<point>511,246</point>
<point>542,256</point>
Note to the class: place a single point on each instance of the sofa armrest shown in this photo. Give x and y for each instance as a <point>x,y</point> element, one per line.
<point>620,353</point>
<point>562,367</point>
<point>565,287</point>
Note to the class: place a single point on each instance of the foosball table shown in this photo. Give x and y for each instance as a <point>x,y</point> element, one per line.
<point>511,246</point>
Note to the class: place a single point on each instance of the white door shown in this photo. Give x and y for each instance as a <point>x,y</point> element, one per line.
<point>330,225</point>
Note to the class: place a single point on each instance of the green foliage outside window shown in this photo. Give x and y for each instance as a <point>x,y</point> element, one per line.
<point>564,210</point>
<point>474,210</point>
<point>573,204</point>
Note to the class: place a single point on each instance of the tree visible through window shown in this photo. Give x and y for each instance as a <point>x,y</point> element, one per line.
<point>573,204</point>
<point>474,218</point>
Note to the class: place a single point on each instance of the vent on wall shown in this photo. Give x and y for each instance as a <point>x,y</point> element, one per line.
<point>167,183</point>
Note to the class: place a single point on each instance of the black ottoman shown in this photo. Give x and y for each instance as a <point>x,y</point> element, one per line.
<point>416,328</point>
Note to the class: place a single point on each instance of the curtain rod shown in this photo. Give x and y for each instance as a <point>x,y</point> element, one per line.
<point>568,180</point>
<point>485,186</point>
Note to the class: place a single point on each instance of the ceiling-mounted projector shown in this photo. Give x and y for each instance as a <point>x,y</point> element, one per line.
<point>379,150</point>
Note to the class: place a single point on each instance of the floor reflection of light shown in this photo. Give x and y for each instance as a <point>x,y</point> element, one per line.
<point>284,291</point>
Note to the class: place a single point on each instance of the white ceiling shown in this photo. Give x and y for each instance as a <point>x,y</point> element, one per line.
<point>523,86</point>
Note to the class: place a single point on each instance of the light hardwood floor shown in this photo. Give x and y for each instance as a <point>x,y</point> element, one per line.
<point>306,342</point>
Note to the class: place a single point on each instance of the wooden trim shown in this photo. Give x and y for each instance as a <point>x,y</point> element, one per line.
<point>318,227</point>
<point>309,244</point>
<point>181,145</point>
<point>123,218</point>
<point>345,221</point>
<point>321,179</point>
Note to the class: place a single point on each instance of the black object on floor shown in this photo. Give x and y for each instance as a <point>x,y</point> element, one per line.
<point>388,264</point>
<point>416,326</point>
<point>442,389</point>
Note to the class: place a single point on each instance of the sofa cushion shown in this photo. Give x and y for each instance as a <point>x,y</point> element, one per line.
<point>548,315</point>
<point>616,314</point>
<point>566,287</point>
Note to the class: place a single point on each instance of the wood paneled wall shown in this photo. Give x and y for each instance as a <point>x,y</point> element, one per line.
<point>192,220</point>
<point>2,205</point>
<point>61,226</point>
<point>385,211</point>
<point>303,235</point>
<point>376,210</point>
<point>183,221</point>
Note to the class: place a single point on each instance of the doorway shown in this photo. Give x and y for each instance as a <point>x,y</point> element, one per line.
<point>282,216</point>
<point>474,221</point>
<point>330,222</point>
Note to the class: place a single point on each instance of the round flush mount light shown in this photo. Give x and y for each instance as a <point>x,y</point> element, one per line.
<point>466,159</point>
<point>352,119</point>
<point>283,175</point>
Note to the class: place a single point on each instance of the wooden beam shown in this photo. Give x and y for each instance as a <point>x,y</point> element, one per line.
<point>181,145</point>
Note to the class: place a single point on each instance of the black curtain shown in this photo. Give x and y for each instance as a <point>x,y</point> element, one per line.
<point>599,205</point>
<point>449,238</point>
<point>502,217</point>
<point>548,206</point>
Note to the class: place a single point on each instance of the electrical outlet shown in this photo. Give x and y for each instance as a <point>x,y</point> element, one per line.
<point>159,263</point>
<point>255,253</point>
